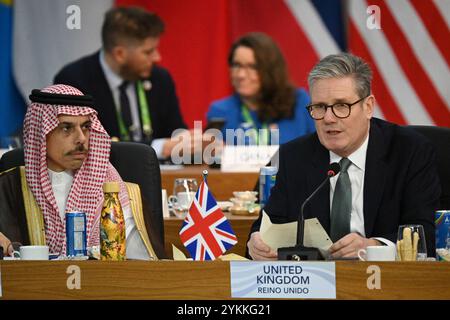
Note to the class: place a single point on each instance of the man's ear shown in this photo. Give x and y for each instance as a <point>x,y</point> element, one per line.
<point>119,53</point>
<point>369,105</point>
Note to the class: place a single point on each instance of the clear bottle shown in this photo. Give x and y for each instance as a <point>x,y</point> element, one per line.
<point>112,225</point>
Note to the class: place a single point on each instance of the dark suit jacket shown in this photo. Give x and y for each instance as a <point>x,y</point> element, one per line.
<point>87,75</point>
<point>401,184</point>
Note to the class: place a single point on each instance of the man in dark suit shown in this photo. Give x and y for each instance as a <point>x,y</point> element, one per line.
<point>135,98</point>
<point>388,173</point>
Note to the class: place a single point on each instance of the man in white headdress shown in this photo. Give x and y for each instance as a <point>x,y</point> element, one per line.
<point>66,153</point>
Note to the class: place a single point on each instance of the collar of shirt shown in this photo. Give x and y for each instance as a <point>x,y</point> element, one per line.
<point>61,185</point>
<point>114,80</point>
<point>60,178</point>
<point>358,158</point>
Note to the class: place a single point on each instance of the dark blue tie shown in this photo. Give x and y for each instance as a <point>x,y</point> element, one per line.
<point>342,204</point>
<point>125,110</point>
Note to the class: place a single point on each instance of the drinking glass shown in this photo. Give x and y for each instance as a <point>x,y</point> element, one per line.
<point>184,190</point>
<point>411,244</point>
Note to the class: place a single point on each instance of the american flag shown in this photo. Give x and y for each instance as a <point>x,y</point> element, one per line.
<point>409,54</point>
<point>406,42</point>
<point>206,232</point>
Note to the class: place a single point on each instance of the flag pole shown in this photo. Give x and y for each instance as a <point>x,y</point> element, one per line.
<point>205,176</point>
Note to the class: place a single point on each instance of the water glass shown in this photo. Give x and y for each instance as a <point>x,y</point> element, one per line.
<point>184,190</point>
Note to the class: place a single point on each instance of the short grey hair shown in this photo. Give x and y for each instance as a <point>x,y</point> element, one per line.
<point>343,65</point>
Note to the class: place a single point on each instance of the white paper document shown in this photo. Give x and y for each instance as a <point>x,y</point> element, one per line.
<point>285,234</point>
<point>178,255</point>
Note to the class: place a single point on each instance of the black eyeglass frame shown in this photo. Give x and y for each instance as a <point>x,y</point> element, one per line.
<point>309,107</point>
<point>248,68</point>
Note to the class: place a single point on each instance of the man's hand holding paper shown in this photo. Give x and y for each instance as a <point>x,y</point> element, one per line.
<point>263,245</point>
<point>259,250</point>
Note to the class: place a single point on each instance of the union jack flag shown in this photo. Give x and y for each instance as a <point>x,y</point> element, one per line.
<point>206,232</point>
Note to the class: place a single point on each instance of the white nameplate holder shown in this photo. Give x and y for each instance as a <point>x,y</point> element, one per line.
<point>246,158</point>
<point>283,279</point>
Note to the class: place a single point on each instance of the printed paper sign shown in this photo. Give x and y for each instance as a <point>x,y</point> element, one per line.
<point>283,279</point>
<point>246,158</point>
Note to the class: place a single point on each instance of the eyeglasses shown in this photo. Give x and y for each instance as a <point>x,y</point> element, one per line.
<point>340,110</point>
<point>249,68</point>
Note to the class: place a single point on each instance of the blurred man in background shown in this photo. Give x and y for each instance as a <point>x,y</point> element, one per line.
<point>135,98</point>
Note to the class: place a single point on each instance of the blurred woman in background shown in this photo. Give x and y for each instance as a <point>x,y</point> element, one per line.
<point>264,99</point>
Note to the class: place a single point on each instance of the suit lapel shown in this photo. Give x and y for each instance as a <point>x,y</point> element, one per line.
<point>104,98</point>
<point>374,178</point>
<point>320,205</point>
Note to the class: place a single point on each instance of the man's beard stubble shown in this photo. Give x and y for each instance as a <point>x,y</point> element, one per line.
<point>128,74</point>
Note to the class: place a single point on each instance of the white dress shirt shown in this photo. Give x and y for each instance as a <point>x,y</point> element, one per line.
<point>61,184</point>
<point>356,172</point>
<point>114,81</point>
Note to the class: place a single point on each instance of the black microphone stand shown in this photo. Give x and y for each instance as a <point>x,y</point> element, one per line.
<point>300,252</point>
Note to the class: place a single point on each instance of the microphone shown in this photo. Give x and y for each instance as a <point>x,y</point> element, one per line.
<point>300,252</point>
<point>333,170</point>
